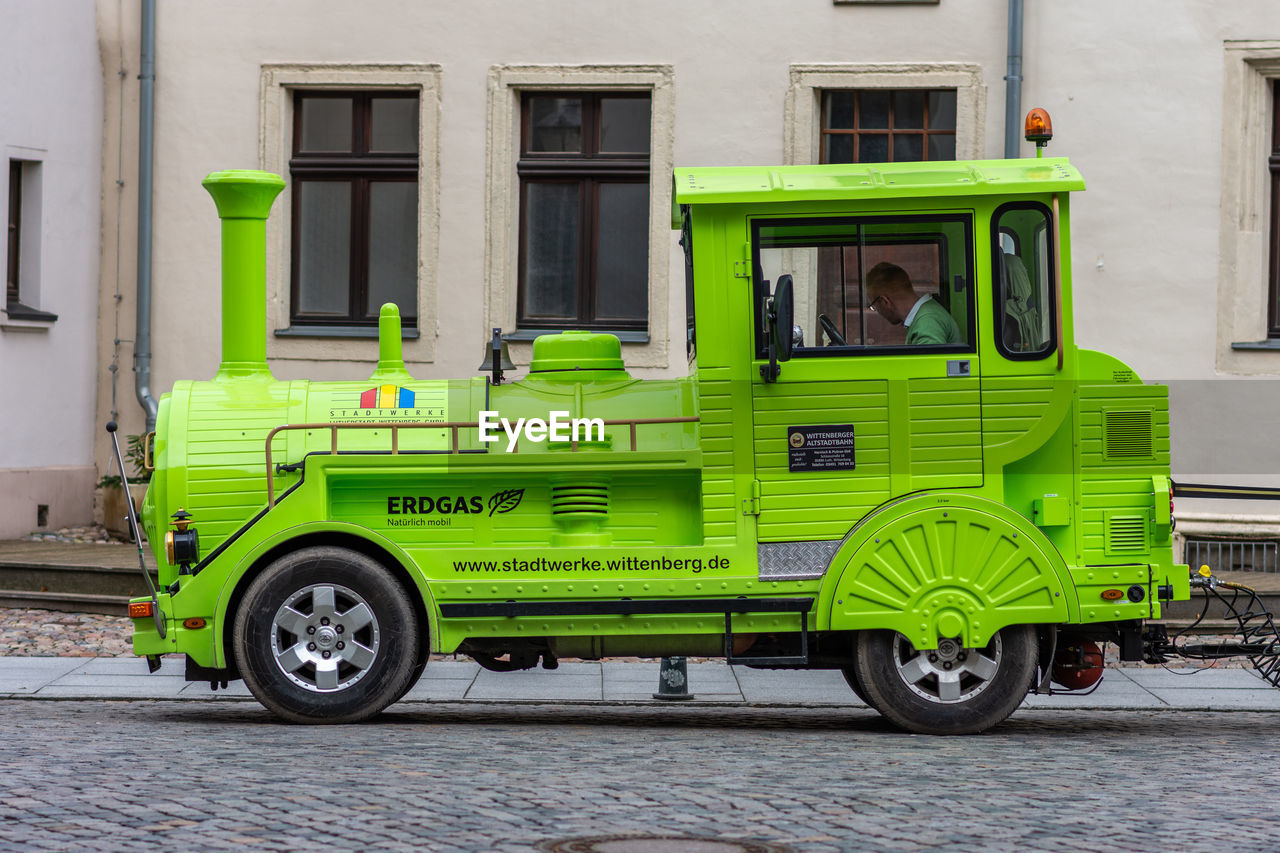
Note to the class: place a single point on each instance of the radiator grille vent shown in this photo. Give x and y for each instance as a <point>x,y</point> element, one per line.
<point>580,499</point>
<point>1126,533</point>
<point>1128,435</point>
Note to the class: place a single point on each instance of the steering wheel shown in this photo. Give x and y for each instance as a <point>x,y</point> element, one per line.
<point>835,338</point>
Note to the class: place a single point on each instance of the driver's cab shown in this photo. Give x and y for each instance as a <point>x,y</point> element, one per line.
<point>876,301</point>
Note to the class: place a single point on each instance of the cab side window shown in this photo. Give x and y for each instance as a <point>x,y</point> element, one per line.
<point>1022,275</point>
<point>871,285</point>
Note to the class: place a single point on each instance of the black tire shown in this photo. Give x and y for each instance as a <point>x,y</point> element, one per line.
<point>850,674</point>
<point>982,689</point>
<point>302,663</point>
<point>419,668</point>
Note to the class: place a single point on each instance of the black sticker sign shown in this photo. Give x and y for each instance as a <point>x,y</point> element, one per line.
<point>820,448</point>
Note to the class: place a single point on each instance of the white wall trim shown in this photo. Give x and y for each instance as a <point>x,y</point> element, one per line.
<point>502,215</point>
<point>1245,214</point>
<point>801,134</point>
<point>278,81</point>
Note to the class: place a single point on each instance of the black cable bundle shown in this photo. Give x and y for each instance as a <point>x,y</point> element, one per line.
<point>1258,638</point>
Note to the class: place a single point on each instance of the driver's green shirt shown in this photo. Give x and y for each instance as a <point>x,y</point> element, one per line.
<point>933,325</point>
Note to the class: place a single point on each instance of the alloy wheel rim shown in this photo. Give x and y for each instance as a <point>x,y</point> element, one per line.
<point>324,638</point>
<point>949,674</point>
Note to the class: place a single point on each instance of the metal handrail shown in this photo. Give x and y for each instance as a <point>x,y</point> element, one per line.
<point>452,426</point>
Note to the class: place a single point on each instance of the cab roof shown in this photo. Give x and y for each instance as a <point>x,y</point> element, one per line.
<point>854,181</point>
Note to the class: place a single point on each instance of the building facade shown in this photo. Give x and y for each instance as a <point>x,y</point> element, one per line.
<point>494,164</point>
<point>51,85</point>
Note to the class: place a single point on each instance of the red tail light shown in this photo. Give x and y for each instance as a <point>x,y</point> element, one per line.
<point>140,609</point>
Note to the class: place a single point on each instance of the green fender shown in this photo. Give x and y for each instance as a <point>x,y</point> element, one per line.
<point>234,578</point>
<point>945,565</point>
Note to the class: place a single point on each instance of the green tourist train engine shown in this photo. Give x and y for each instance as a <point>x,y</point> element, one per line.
<point>926,485</point>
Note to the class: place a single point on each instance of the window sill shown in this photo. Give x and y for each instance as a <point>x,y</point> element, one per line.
<point>19,316</point>
<point>406,334</point>
<point>1272,344</point>
<point>627,336</point>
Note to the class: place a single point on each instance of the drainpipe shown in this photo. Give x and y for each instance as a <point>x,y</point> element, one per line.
<point>146,175</point>
<point>1013,83</point>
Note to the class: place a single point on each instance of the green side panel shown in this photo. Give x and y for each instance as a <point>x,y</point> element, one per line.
<point>1124,440</point>
<point>945,433</point>
<point>225,461</point>
<point>720,509</point>
<point>589,506</point>
<point>1092,581</point>
<point>819,505</point>
<point>946,566</point>
<point>1016,407</point>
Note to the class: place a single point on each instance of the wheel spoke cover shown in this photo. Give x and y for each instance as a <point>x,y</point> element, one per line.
<point>325,637</point>
<point>949,674</point>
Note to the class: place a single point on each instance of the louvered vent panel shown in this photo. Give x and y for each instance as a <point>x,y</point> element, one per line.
<point>586,499</point>
<point>1128,435</point>
<point>1126,533</point>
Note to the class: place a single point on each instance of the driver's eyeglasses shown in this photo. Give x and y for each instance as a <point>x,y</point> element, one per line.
<point>872,306</point>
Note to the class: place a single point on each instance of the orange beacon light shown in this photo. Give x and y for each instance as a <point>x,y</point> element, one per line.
<point>1038,128</point>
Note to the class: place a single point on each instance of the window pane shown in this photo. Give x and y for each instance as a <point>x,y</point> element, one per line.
<point>14,230</point>
<point>326,124</point>
<point>393,246</point>
<point>622,265</point>
<point>395,125</point>
<point>555,124</point>
<point>837,148</point>
<point>551,219</point>
<point>324,247</point>
<point>839,110</point>
<point>908,109</point>
<point>873,148</point>
<point>942,110</point>
<point>873,110</point>
<point>1022,278</point>
<point>942,147</point>
<point>908,147</point>
<point>624,125</point>
<point>836,280</point>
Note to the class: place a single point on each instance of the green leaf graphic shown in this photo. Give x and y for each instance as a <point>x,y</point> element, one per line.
<point>505,501</point>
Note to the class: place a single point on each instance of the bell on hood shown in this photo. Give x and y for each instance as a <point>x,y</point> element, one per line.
<point>496,358</point>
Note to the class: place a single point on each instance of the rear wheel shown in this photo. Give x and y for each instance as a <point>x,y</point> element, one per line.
<point>850,674</point>
<point>952,689</point>
<point>326,635</point>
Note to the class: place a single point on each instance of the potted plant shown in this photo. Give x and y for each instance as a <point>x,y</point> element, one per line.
<point>114,511</point>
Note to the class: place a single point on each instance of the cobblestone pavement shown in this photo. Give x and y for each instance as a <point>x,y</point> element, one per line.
<point>142,775</point>
<point>95,533</point>
<point>48,633</point>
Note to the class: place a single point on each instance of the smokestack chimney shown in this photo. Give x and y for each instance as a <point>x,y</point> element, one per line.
<point>244,200</point>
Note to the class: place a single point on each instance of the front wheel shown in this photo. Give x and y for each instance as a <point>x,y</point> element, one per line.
<point>950,690</point>
<point>326,635</point>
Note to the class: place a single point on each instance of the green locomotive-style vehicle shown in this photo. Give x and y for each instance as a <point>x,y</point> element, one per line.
<point>889,457</point>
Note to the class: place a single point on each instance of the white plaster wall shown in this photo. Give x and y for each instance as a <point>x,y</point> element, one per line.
<point>1135,90</point>
<point>51,111</point>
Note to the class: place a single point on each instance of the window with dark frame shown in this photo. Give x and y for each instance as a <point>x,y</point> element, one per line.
<point>23,172</point>
<point>13,264</point>
<point>888,125</point>
<point>1273,164</point>
<point>354,174</point>
<point>829,259</point>
<point>584,210</point>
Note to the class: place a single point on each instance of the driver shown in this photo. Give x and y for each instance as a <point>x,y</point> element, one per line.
<point>893,298</point>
